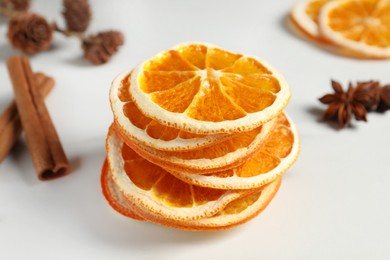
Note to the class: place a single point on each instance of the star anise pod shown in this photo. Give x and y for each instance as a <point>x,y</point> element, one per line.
<point>368,93</point>
<point>343,104</point>
<point>384,98</point>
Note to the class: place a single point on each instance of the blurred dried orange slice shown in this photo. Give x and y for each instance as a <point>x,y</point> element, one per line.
<point>360,26</point>
<point>204,89</point>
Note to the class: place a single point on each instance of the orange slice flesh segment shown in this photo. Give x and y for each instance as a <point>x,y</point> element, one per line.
<point>194,54</point>
<point>224,155</point>
<point>274,157</point>
<point>113,197</point>
<point>177,99</point>
<point>211,106</point>
<point>132,124</point>
<point>362,26</point>
<point>159,191</point>
<point>218,59</point>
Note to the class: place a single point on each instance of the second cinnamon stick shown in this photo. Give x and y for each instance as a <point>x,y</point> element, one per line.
<point>10,126</point>
<point>48,156</point>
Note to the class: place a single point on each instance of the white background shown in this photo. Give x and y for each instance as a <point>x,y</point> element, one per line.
<point>333,203</point>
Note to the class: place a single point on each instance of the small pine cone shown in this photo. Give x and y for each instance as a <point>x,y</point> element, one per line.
<point>30,33</point>
<point>77,14</point>
<point>99,48</point>
<point>16,5</point>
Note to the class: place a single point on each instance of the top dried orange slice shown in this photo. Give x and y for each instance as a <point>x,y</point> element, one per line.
<point>133,125</point>
<point>361,26</point>
<point>304,15</point>
<point>204,89</point>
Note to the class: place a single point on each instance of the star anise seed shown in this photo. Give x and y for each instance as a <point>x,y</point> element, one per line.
<point>343,104</point>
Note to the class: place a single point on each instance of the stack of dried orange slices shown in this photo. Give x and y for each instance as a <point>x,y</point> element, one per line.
<point>199,139</point>
<point>359,28</point>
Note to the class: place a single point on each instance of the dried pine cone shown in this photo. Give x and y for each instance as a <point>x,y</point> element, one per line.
<point>77,14</point>
<point>99,48</point>
<point>16,5</point>
<point>30,33</point>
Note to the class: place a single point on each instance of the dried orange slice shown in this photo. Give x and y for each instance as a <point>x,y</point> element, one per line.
<point>114,197</point>
<point>132,124</point>
<point>361,26</point>
<point>224,155</point>
<point>304,15</point>
<point>273,159</point>
<point>157,190</point>
<point>235,213</point>
<point>204,89</point>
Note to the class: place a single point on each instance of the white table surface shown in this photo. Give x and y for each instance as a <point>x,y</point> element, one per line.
<point>333,203</point>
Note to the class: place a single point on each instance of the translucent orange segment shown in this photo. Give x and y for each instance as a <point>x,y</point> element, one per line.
<point>158,131</point>
<point>152,127</point>
<point>248,98</point>
<point>152,81</point>
<point>203,195</point>
<point>136,167</point>
<point>164,186</point>
<point>263,82</point>
<point>173,191</point>
<point>219,59</point>
<point>247,66</point>
<point>136,170</point>
<point>168,61</point>
<point>194,54</point>
<point>258,164</point>
<point>280,143</point>
<point>124,89</point>
<point>178,98</point>
<point>240,204</point>
<point>236,142</point>
<point>210,104</point>
<point>166,133</point>
<point>313,9</point>
<point>383,14</point>
<point>376,37</point>
<point>131,111</point>
<point>128,154</point>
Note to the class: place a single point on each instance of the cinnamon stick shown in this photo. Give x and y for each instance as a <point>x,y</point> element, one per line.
<point>10,126</point>
<point>47,154</point>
